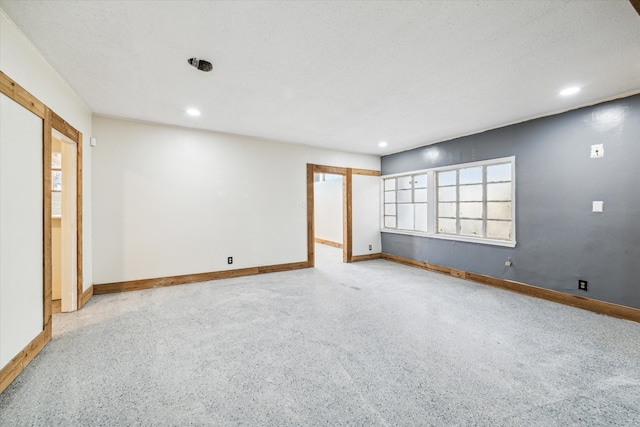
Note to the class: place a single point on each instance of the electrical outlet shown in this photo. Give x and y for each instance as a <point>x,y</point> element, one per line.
<point>597,150</point>
<point>582,285</point>
<point>230,260</point>
<point>370,247</point>
<point>508,262</point>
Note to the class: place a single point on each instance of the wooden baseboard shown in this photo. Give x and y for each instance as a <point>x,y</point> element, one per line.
<point>601,307</point>
<point>56,306</point>
<point>357,258</point>
<point>21,360</point>
<point>136,285</point>
<point>328,242</point>
<point>86,296</point>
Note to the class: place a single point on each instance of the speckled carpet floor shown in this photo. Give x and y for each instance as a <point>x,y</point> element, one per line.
<point>370,343</point>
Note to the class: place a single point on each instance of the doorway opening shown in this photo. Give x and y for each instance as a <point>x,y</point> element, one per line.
<point>329,213</point>
<point>317,177</point>
<point>368,232</point>
<point>64,223</point>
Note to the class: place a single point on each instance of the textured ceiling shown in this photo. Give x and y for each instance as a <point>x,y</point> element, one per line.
<point>341,75</point>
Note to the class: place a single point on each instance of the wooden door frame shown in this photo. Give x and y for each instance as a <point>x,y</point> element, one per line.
<point>50,121</point>
<point>347,207</point>
<point>56,122</point>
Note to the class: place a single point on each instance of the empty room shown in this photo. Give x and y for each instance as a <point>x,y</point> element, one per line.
<point>320,213</point>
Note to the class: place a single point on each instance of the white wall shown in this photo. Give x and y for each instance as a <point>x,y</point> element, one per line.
<point>171,201</point>
<point>328,200</point>
<point>366,215</point>
<point>22,62</point>
<point>21,270</point>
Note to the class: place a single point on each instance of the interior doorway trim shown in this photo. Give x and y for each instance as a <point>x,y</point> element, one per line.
<point>59,124</point>
<point>51,120</point>
<point>347,207</point>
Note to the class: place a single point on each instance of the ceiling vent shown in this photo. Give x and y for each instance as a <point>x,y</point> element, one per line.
<point>201,64</point>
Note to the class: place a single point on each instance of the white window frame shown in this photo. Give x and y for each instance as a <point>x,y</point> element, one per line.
<point>432,203</point>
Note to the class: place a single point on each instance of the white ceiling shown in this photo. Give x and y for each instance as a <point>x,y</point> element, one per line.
<point>341,75</point>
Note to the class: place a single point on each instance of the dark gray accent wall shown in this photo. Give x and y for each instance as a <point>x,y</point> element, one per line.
<point>559,238</point>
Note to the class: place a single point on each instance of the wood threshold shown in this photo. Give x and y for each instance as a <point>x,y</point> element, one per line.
<point>596,306</point>
<point>328,242</point>
<point>357,258</point>
<point>136,285</point>
<point>21,360</point>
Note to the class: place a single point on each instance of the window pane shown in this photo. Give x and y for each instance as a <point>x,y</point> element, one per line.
<point>389,196</point>
<point>471,227</point>
<point>499,230</point>
<point>471,193</point>
<point>405,217</point>
<point>404,182</point>
<point>404,196</point>
<point>420,181</point>
<point>389,184</point>
<point>499,210</point>
<point>447,226</point>
<point>471,210</point>
<point>499,172</point>
<point>390,222</point>
<point>471,175</point>
<point>447,178</point>
<point>447,194</point>
<point>389,209</point>
<point>421,217</point>
<point>499,191</point>
<point>420,195</point>
<point>447,210</point>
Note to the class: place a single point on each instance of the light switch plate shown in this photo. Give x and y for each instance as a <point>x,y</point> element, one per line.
<point>598,206</point>
<point>597,150</point>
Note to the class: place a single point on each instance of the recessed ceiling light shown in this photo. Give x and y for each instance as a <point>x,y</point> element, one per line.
<point>193,112</point>
<point>382,144</point>
<point>570,91</point>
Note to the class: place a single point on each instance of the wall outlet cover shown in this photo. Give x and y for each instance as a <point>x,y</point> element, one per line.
<point>598,206</point>
<point>582,285</point>
<point>597,150</point>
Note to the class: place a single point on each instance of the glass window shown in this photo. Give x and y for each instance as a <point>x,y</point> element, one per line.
<point>473,201</point>
<point>405,202</point>
<point>483,207</point>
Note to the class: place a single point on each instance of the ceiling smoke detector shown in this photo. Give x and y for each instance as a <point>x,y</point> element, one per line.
<point>201,64</point>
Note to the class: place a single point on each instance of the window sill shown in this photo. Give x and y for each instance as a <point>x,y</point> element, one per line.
<point>468,239</point>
